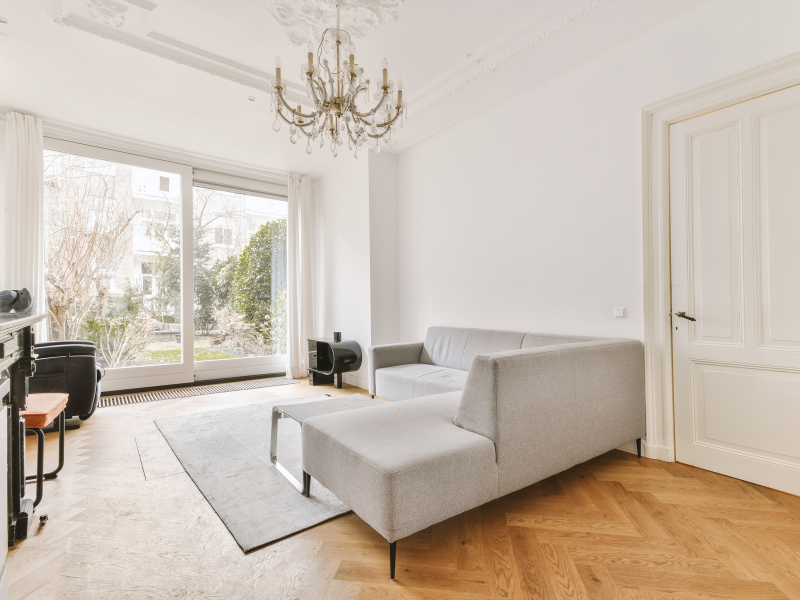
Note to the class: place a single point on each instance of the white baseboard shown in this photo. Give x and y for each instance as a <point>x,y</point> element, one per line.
<point>351,379</point>
<point>649,450</point>
<point>4,583</point>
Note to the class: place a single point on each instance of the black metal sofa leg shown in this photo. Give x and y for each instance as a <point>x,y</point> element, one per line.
<point>306,485</point>
<point>392,556</point>
<point>639,447</point>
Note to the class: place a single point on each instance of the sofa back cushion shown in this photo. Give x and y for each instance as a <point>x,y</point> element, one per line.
<point>455,347</point>
<point>537,340</point>
<point>486,341</point>
<point>444,346</point>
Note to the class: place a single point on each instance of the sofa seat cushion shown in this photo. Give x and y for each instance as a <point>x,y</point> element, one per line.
<point>401,466</point>
<point>440,382</point>
<point>414,381</point>
<point>397,383</point>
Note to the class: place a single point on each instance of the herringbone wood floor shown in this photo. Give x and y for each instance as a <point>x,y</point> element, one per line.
<point>127,522</point>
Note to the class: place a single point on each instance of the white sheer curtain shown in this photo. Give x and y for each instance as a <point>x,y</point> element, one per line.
<point>300,274</point>
<point>24,204</point>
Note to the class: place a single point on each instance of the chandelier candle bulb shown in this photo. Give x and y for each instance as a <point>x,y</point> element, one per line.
<point>277,71</point>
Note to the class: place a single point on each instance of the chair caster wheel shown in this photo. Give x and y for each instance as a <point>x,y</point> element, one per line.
<point>42,520</point>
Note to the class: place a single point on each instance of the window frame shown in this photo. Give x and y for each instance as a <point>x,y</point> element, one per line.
<point>188,370</point>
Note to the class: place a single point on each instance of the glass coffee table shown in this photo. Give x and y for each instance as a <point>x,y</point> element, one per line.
<point>301,411</point>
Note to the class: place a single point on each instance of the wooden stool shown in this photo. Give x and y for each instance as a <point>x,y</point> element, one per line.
<point>42,410</point>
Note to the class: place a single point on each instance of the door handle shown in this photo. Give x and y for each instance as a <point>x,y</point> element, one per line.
<point>683,315</point>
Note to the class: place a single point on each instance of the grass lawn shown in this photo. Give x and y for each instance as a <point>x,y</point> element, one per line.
<point>173,355</point>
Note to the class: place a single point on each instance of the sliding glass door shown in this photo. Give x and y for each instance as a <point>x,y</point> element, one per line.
<point>115,226</point>
<point>239,281</point>
<point>174,280</point>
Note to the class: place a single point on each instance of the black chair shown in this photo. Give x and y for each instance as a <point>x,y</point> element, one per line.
<point>69,367</point>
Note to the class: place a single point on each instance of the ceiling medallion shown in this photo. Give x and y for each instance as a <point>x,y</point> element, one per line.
<point>334,84</point>
<point>301,18</point>
<point>107,12</point>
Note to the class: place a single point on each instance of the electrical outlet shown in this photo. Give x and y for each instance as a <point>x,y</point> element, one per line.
<point>620,313</point>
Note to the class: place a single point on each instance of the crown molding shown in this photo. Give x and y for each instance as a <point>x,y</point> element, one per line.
<point>176,51</point>
<point>492,66</point>
<point>91,137</point>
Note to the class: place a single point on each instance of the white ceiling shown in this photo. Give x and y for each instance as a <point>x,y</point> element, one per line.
<point>178,73</point>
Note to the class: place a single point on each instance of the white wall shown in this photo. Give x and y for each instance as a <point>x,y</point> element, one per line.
<point>357,253</point>
<point>383,239</point>
<point>343,262</point>
<point>537,226</point>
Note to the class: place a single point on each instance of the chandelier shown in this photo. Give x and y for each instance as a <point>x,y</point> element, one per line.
<point>336,84</point>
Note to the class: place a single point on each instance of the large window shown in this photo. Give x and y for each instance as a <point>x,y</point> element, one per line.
<point>113,258</point>
<point>173,282</point>
<point>239,274</point>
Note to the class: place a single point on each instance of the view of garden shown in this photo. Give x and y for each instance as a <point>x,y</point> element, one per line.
<point>113,255</point>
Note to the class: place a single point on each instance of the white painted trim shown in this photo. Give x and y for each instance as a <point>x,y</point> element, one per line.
<point>4,583</point>
<point>656,120</point>
<point>82,135</point>
<point>183,54</point>
<point>244,184</point>
<point>437,94</point>
<point>355,380</point>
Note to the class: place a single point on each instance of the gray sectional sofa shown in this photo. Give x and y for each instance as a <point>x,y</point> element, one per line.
<point>516,409</point>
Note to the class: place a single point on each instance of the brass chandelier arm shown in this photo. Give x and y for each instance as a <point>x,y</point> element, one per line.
<point>399,110</point>
<point>302,126</point>
<point>374,110</point>
<point>396,116</point>
<point>317,102</point>
<point>293,111</point>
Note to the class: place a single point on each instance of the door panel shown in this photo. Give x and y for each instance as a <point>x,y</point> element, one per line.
<point>735,245</point>
<point>778,242</point>
<point>715,243</point>
<point>750,410</point>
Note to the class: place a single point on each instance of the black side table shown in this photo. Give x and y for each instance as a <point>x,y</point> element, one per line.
<point>328,359</point>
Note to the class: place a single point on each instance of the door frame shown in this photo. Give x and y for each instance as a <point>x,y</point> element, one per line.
<point>656,119</point>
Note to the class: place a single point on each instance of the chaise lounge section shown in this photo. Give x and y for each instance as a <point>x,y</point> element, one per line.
<point>523,415</point>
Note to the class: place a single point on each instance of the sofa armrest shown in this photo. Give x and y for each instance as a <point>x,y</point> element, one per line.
<point>552,407</point>
<point>391,355</point>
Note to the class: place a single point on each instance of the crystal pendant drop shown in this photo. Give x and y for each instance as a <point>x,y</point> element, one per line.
<point>355,154</point>
<point>374,128</point>
<point>350,143</point>
<point>333,146</point>
<point>335,152</point>
<point>377,148</point>
<point>293,129</point>
<point>308,147</point>
<point>276,124</point>
<point>321,141</point>
<point>293,138</point>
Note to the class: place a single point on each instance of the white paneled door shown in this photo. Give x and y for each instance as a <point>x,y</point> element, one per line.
<point>735,227</point>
